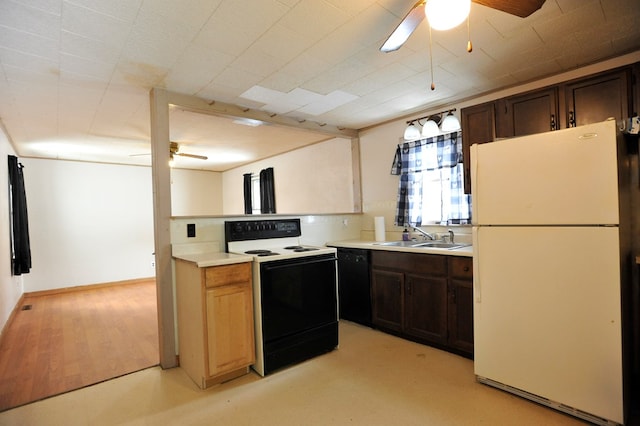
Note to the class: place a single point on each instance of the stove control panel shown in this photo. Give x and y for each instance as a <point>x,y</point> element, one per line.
<point>245,230</point>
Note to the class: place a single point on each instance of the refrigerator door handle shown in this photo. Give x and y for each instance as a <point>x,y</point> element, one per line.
<point>477,293</point>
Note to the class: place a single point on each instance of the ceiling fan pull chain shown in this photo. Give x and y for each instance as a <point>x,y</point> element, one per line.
<point>469,45</point>
<point>433,85</point>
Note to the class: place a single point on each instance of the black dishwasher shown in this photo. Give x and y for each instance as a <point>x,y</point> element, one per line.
<point>354,286</point>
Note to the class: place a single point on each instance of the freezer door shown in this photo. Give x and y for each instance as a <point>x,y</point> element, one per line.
<point>547,316</point>
<point>557,178</point>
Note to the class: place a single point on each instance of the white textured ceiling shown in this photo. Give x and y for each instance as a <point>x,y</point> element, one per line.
<point>75,75</point>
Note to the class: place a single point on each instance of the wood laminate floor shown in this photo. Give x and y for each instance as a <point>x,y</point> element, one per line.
<point>70,340</point>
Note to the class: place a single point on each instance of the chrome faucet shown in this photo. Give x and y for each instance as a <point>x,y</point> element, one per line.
<point>451,235</point>
<point>425,234</point>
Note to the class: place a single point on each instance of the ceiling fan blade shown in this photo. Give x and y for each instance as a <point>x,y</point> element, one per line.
<point>199,157</point>
<point>406,27</point>
<point>521,8</point>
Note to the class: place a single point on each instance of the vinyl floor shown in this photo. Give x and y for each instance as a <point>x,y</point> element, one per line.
<point>371,379</point>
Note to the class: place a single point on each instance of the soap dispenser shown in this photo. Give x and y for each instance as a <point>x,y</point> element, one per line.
<point>405,235</point>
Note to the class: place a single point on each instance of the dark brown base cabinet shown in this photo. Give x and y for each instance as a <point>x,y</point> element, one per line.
<point>423,297</point>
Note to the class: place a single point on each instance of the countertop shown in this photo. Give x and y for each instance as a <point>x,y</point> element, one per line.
<point>203,260</point>
<point>375,245</point>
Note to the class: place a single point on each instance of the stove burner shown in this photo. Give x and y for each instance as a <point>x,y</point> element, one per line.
<point>293,247</point>
<point>268,253</point>
<point>258,252</point>
<point>301,249</point>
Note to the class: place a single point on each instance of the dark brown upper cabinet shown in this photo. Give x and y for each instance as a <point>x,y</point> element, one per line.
<point>478,126</point>
<point>533,112</point>
<point>573,103</point>
<point>597,98</point>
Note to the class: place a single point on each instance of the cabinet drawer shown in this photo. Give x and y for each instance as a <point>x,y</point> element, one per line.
<point>460,267</point>
<point>431,264</point>
<point>228,274</point>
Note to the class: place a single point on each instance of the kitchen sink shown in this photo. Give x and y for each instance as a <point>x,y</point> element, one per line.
<point>399,243</point>
<point>422,244</point>
<point>438,244</point>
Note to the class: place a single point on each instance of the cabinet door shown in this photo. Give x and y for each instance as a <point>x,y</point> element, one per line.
<point>477,127</point>
<point>230,336</point>
<point>461,315</point>
<point>386,295</point>
<point>595,99</point>
<point>534,112</point>
<point>426,308</point>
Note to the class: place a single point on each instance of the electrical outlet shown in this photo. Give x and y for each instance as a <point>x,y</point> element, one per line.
<point>191,230</point>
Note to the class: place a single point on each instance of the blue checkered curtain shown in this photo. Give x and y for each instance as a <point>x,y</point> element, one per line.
<point>444,153</point>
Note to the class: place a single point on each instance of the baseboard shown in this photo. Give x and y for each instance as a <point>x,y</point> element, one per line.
<point>87,287</point>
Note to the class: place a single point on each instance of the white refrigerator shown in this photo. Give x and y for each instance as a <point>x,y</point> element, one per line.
<point>547,269</point>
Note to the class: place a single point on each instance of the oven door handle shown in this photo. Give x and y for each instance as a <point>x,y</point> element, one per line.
<point>269,266</point>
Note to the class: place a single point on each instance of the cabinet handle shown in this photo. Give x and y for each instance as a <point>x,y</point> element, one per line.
<point>572,119</point>
<point>409,287</point>
<point>454,295</point>
<point>466,269</point>
<point>553,121</point>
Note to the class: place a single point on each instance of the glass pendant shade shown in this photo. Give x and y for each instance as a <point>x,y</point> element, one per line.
<point>450,124</point>
<point>430,129</point>
<point>411,133</point>
<point>447,14</point>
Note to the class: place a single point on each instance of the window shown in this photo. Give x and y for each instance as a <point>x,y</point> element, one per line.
<point>436,206</point>
<point>255,193</point>
<point>431,189</point>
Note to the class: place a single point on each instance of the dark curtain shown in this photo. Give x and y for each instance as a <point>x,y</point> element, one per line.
<point>267,191</point>
<point>248,205</point>
<point>21,251</point>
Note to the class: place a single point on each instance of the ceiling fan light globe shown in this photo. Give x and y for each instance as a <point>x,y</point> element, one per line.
<point>446,14</point>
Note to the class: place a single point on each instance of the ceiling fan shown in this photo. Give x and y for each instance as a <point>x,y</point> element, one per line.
<point>410,22</point>
<point>174,149</point>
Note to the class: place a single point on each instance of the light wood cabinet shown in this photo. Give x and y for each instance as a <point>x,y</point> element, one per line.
<point>215,321</point>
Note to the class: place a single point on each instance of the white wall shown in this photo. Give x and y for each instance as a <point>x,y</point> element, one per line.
<point>315,179</point>
<point>90,223</point>
<point>11,287</point>
<point>196,192</point>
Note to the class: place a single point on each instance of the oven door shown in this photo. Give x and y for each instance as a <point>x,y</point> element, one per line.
<point>297,295</point>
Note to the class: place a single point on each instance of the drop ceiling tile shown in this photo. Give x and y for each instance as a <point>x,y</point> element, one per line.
<point>352,7</point>
<point>89,48</point>
<point>50,6</point>
<point>258,63</point>
<point>281,42</point>
<point>28,43</point>
<point>236,78</point>
<point>80,66</point>
<point>579,19</point>
<point>507,24</point>
<point>524,40</point>
<point>30,63</point>
<point>304,13</point>
<point>29,19</point>
<point>196,68</point>
<point>87,23</point>
<point>123,10</point>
